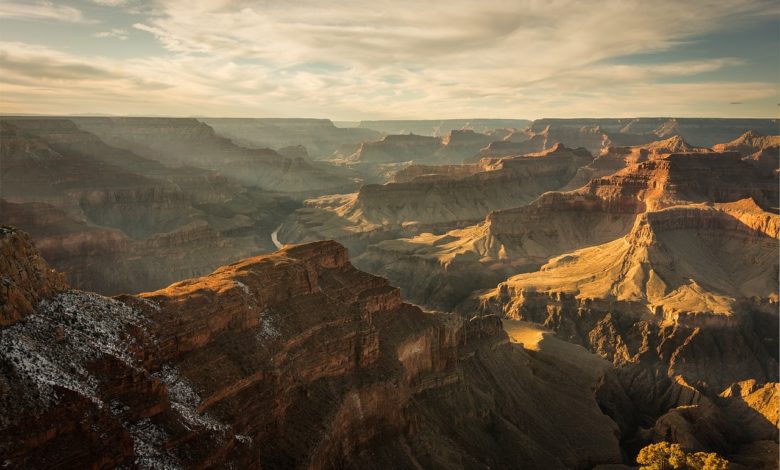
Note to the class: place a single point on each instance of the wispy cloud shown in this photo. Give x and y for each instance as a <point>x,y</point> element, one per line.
<point>355,59</point>
<point>111,3</point>
<point>117,33</point>
<point>42,10</point>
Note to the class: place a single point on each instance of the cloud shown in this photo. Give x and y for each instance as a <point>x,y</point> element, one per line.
<point>398,59</point>
<point>111,3</point>
<point>42,10</point>
<point>117,33</point>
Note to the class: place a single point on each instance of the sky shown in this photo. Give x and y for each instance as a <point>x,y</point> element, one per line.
<point>391,59</point>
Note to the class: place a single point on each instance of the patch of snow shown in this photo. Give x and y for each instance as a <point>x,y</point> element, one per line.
<point>149,446</point>
<point>51,347</point>
<point>150,303</point>
<point>243,287</point>
<point>185,400</point>
<point>267,331</point>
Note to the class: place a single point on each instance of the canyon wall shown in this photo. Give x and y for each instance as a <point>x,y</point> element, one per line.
<point>291,360</point>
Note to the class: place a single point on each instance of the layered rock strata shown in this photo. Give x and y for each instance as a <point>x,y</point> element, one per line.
<point>291,360</point>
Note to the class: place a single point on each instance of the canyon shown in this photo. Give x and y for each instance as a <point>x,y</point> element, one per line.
<point>286,360</point>
<point>294,293</point>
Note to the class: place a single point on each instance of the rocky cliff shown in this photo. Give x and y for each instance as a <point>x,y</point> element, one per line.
<point>612,159</point>
<point>291,360</point>
<point>27,279</point>
<point>685,306</point>
<point>439,271</point>
<point>443,201</point>
<point>694,177</point>
<point>635,131</point>
<point>761,150</point>
<point>376,160</point>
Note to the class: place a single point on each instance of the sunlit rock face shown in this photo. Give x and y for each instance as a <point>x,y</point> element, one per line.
<point>684,306</point>
<point>439,200</point>
<point>439,270</point>
<point>294,359</point>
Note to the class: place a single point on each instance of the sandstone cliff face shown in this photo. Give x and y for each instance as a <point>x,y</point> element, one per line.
<point>292,360</point>
<point>439,271</point>
<point>386,211</point>
<point>612,159</point>
<point>684,307</point>
<point>397,148</point>
<point>694,177</point>
<point>26,277</point>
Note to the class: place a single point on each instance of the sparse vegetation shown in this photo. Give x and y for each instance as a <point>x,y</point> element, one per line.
<point>666,456</point>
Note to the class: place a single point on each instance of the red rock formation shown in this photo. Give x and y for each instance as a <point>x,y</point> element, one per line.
<point>290,360</point>
<point>26,277</point>
<point>613,159</point>
<point>694,177</point>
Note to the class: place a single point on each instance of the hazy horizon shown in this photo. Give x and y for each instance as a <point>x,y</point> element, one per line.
<point>390,60</point>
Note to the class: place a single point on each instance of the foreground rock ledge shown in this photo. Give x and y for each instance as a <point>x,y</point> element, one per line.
<point>290,360</point>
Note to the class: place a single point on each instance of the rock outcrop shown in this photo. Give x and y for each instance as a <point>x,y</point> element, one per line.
<point>396,149</point>
<point>761,150</point>
<point>684,307</point>
<point>291,360</point>
<point>439,201</point>
<point>376,161</point>
<point>693,177</point>
<point>438,270</point>
<point>613,159</point>
<point>27,278</point>
<point>702,132</point>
